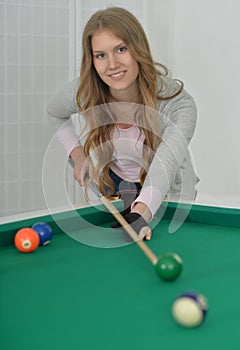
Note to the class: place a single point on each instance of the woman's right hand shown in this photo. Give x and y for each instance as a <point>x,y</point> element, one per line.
<point>81,166</point>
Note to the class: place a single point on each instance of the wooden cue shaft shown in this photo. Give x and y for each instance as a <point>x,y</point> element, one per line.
<point>147,251</point>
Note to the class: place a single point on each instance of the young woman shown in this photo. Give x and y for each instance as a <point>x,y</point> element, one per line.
<point>139,120</point>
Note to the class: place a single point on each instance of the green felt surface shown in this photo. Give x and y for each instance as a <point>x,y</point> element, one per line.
<point>69,295</point>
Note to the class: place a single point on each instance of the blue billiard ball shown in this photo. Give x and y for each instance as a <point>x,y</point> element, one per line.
<point>44,231</point>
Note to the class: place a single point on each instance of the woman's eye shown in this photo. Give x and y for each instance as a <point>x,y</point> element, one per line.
<point>122,49</point>
<point>100,55</point>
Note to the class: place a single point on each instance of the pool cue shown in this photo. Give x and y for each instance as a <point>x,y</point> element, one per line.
<point>130,231</point>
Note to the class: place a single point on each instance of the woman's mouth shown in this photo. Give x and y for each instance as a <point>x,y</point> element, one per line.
<point>117,75</point>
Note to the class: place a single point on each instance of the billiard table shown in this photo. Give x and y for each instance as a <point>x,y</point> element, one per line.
<point>79,294</point>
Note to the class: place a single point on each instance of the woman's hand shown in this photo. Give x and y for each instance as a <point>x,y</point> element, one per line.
<point>138,218</point>
<point>139,225</point>
<point>81,166</point>
<point>141,209</point>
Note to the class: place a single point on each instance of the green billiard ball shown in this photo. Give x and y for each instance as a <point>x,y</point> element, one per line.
<point>169,266</point>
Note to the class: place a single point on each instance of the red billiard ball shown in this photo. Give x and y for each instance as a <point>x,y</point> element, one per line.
<point>26,240</point>
<point>44,232</point>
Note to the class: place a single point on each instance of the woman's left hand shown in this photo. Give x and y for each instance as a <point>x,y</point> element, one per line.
<point>138,223</point>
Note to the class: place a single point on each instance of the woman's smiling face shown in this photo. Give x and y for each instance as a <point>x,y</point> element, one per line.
<point>114,64</point>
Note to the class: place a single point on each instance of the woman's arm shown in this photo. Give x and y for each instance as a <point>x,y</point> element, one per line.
<point>178,117</point>
<point>60,109</point>
<point>63,104</point>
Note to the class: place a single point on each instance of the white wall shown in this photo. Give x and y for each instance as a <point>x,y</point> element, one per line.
<point>34,63</point>
<point>207,55</point>
<point>201,43</point>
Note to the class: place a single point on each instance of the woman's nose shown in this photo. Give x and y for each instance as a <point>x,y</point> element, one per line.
<point>113,62</point>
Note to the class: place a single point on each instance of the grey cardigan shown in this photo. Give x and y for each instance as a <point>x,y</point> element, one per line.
<point>171,174</point>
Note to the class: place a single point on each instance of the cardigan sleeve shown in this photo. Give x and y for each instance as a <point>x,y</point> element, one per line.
<point>171,165</point>
<point>63,104</point>
<point>59,110</point>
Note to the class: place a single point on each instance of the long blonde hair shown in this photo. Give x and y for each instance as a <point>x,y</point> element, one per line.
<point>93,91</point>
